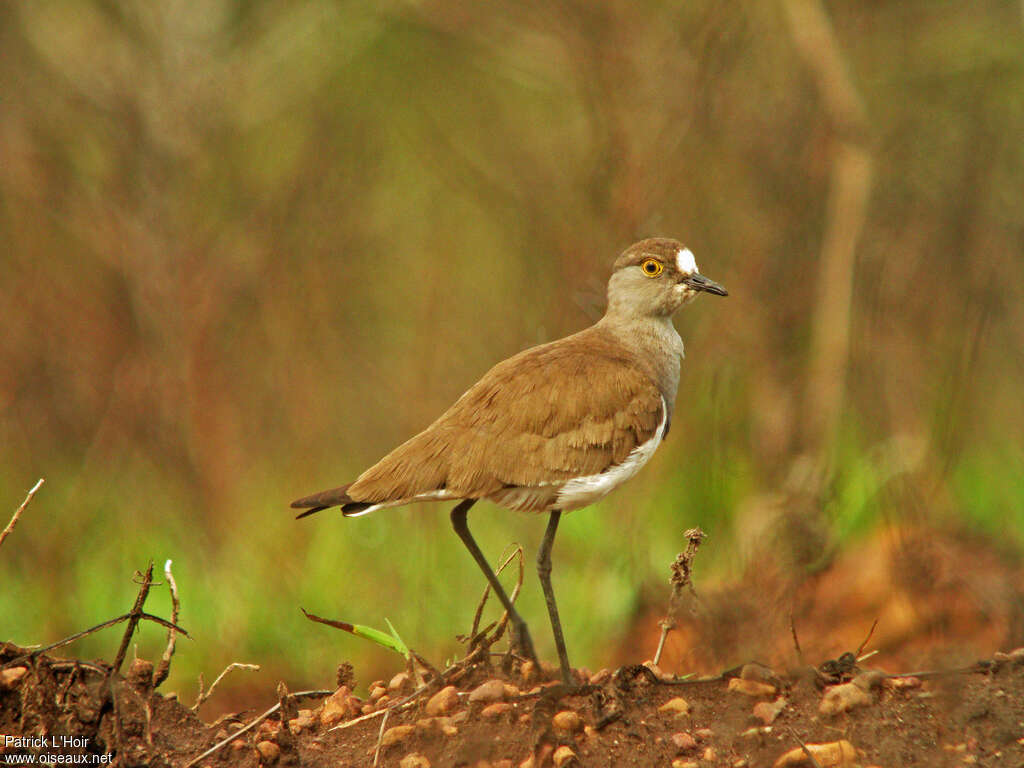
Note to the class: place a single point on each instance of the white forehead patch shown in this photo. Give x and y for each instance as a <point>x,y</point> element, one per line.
<point>685,261</point>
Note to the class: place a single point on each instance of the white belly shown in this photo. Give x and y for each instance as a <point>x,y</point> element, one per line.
<point>583,491</point>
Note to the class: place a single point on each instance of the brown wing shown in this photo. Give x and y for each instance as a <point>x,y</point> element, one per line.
<point>573,407</point>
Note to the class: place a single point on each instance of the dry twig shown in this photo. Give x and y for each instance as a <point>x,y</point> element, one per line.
<point>221,744</point>
<point>681,571</point>
<point>202,696</point>
<point>380,738</point>
<point>475,636</point>
<point>165,662</point>
<point>17,513</point>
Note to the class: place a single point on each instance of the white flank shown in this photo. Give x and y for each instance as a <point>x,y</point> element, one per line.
<point>441,495</point>
<point>581,491</point>
<point>685,262</point>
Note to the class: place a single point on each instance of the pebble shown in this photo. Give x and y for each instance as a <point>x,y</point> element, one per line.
<point>680,763</point>
<point>443,701</point>
<point>495,710</point>
<point>684,742</point>
<point>835,754</point>
<point>298,724</point>
<point>766,711</point>
<point>563,756</point>
<point>414,760</point>
<point>335,708</point>
<point>376,692</point>
<point>568,721</point>
<point>9,678</point>
<point>843,698</point>
<point>678,706</point>
<point>269,751</point>
<point>400,682</point>
<point>703,734</point>
<point>902,683</point>
<point>758,672</point>
<point>489,692</point>
<point>396,734</point>
<point>869,679</point>
<point>709,755</point>
<point>751,687</point>
<point>601,677</point>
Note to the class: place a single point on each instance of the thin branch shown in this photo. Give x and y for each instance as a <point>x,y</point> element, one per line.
<point>251,725</point>
<point>85,632</point>
<point>164,668</point>
<point>681,578</point>
<point>17,513</point>
<point>380,738</point>
<point>203,696</point>
<point>866,639</point>
<point>796,640</point>
<point>134,616</point>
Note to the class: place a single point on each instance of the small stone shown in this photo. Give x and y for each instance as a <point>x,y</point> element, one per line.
<point>657,671</point>
<point>751,687</point>
<point>269,751</point>
<point>758,672</point>
<point>601,677</point>
<point>400,682</point>
<point>703,734</point>
<point>304,720</point>
<point>382,702</point>
<point>766,711</point>
<point>902,683</point>
<point>396,734</point>
<point>529,672</point>
<point>563,756</point>
<point>568,721</point>
<point>843,698</point>
<point>495,710</point>
<point>869,679</point>
<point>336,707</point>
<point>677,706</point>
<point>489,692</point>
<point>589,731</point>
<point>683,741</point>
<point>443,701</point>
<point>414,760</point>
<point>9,678</point>
<point>238,745</point>
<point>709,755</point>
<point>376,692</point>
<point>835,754</point>
<point>680,763</point>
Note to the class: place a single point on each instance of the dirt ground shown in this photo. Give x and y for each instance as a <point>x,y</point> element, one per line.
<point>906,694</point>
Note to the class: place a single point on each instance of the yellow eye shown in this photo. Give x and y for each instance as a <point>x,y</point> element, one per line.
<point>652,267</point>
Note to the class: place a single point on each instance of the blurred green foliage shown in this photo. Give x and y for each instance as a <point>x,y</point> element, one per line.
<point>248,247</point>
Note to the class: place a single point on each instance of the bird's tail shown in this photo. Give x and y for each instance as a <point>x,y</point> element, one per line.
<point>335,497</point>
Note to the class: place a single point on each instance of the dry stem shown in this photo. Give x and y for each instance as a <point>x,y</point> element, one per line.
<point>204,695</point>
<point>681,571</point>
<point>165,662</point>
<point>17,513</point>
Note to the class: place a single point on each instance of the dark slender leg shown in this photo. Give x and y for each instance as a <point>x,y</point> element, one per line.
<point>520,634</point>
<point>544,571</point>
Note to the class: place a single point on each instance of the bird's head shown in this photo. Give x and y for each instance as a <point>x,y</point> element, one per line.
<point>654,278</point>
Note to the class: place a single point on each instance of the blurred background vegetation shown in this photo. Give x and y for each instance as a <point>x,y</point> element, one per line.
<point>247,247</point>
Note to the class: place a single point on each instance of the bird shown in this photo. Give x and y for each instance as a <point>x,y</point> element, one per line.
<point>553,428</point>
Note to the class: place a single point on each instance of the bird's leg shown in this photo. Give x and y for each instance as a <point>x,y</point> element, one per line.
<point>544,571</point>
<point>520,634</point>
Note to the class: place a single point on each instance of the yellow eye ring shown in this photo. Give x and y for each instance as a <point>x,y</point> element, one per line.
<point>652,267</point>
